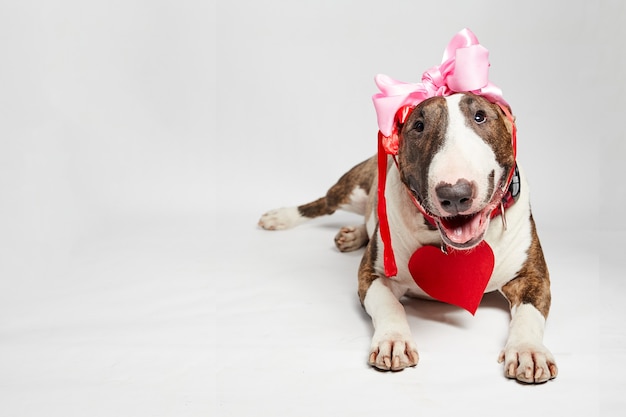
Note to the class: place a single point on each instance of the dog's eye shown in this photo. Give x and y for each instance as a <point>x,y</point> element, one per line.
<point>419,126</point>
<point>480,117</point>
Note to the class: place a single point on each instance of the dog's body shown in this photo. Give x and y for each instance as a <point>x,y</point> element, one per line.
<point>454,158</point>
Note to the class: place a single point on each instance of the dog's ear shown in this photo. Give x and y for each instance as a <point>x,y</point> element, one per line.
<point>509,122</point>
<point>507,116</point>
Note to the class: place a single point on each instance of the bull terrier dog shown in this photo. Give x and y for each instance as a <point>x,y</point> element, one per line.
<point>446,213</point>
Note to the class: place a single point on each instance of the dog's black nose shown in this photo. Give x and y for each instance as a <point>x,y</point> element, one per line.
<point>457,198</point>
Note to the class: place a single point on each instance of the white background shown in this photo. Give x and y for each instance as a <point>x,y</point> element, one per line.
<point>141,140</point>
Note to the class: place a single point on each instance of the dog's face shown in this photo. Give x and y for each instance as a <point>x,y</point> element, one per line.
<point>455,156</point>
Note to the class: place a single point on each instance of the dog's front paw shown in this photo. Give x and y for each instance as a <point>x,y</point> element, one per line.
<point>282,218</point>
<point>393,351</point>
<point>528,363</point>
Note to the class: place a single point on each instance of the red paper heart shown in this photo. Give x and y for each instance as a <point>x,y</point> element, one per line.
<point>458,277</point>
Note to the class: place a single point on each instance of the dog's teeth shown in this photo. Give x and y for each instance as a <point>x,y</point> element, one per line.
<point>458,231</point>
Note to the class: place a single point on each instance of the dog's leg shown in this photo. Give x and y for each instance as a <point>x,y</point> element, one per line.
<point>525,357</point>
<point>392,345</point>
<point>288,217</point>
<point>349,193</point>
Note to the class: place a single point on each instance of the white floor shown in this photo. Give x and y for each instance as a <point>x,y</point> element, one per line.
<point>158,317</point>
<point>294,339</point>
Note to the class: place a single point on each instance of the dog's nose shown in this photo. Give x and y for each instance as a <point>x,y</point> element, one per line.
<point>457,198</point>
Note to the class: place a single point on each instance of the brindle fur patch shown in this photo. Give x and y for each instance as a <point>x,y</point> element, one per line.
<point>418,148</point>
<point>532,283</point>
<point>495,130</point>
<point>367,272</point>
<point>360,176</point>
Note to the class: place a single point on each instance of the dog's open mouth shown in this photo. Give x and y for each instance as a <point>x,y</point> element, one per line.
<point>464,231</point>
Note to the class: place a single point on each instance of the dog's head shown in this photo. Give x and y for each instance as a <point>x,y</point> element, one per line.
<point>455,156</point>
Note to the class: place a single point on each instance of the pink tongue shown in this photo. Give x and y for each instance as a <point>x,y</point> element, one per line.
<point>462,231</point>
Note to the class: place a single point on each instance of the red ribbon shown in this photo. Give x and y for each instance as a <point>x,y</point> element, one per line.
<point>391,269</point>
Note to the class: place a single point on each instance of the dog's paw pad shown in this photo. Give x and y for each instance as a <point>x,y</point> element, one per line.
<point>351,238</point>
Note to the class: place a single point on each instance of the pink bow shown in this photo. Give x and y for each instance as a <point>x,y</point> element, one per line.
<point>464,67</point>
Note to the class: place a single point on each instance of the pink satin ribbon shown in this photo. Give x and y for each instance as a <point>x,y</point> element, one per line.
<point>464,68</point>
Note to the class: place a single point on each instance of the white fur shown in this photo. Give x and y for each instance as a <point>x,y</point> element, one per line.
<point>282,218</point>
<point>358,201</point>
<point>408,232</point>
<point>525,357</point>
<point>392,345</point>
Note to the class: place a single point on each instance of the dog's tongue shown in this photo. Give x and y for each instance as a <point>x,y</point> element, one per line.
<point>462,229</point>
